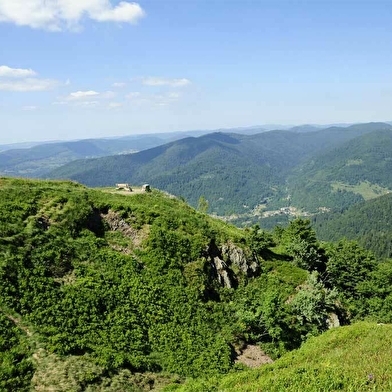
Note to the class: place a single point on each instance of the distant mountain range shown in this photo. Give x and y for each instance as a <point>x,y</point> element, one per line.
<point>329,168</point>
<point>33,159</point>
<point>39,159</point>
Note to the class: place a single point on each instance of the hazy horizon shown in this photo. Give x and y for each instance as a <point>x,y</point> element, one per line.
<point>79,70</point>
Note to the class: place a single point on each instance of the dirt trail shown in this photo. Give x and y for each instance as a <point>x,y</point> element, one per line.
<point>253,356</point>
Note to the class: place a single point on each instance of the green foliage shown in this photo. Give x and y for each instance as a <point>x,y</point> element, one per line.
<point>299,241</point>
<point>16,369</point>
<point>260,241</point>
<point>202,205</point>
<point>348,265</point>
<point>353,358</point>
<point>313,304</point>
<point>262,311</point>
<point>118,285</point>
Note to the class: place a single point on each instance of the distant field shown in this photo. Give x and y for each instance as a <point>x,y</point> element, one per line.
<point>365,189</point>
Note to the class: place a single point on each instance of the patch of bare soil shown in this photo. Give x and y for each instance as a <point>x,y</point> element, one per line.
<point>116,223</point>
<point>253,356</point>
<point>134,191</point>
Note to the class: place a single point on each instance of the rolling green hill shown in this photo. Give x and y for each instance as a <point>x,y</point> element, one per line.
<point>233,172</point>
<point>106,291</point>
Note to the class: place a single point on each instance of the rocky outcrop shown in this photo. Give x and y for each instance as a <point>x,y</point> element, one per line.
<point>237,257</point>
<point>230,262</point>
<point>333,321</point>
<point>117,223</point>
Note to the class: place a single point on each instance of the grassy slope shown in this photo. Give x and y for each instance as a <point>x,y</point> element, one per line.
<point>353,358</point>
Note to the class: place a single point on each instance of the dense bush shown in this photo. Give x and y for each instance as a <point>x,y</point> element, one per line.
<point>130,283</point>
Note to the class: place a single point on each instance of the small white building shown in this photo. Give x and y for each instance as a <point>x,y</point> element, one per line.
<point>124,187</point>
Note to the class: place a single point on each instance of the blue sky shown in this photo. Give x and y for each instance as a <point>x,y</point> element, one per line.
<point>72,69</point>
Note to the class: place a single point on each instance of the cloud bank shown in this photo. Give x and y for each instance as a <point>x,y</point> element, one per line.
<point>7,72</point>
<point>58,15</point>
<point>17,79</point>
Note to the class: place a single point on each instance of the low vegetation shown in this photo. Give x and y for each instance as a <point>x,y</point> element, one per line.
<point>352,358</point>
<point>104,291</point>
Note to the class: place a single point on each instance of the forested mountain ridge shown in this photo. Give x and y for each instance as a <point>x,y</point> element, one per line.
<point>107,291</point>
<point>37,160</point>
<point>358,169</point>
<point>235,173</point>
<point>368,222</point>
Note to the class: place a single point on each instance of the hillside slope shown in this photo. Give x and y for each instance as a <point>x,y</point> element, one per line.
<point>99,286</point>
<point>233,172</point>
<point>368,222</point>
<point>106,291</point>
<point>353,358</point>
<point>356,170</point>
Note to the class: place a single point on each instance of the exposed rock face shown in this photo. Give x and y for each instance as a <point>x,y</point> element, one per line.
<point>229,261</point>
<point>116,223</point>
<point>333,321</point>
<point>224,275</point>
<point>238,258</point>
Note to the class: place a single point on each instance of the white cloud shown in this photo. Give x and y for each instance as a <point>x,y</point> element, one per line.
<point>118,85</point>
<point>29,108</point>
<point>155,81</point>
<point>85,98</point>
<point>57,15</point>
<point>124,12</point>
<point>28,84</point>
<point>8,72</point>
<point>79,95</point>
<point>85,95</point>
